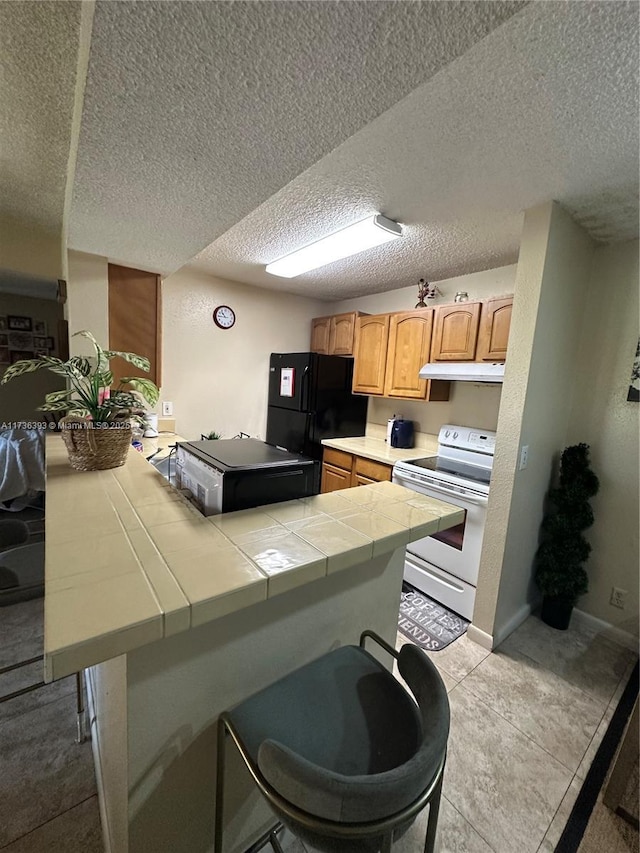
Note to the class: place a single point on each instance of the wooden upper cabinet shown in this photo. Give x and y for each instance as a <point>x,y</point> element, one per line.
<point>334,335</point>
<point>135,320</point>
<point>409,346</point>
<point>343,333</point>
<point>320,332</point>
<point>493,335</point>
<point>372,337</point>
<point>456,331</point>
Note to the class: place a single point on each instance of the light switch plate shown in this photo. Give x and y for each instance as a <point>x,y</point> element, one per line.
<point>167,409</point>
<point>524,457</point>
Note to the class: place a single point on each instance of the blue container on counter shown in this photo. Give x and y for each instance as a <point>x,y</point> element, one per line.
<point>402,433</point>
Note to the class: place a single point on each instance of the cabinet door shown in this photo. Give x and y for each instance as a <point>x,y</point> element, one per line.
<point>372,336</point>
<point>455,332</point>
<point>343,330</point>
<point>135,320</point>
<point>409,346</point>
<point>360,480</point>
<point>369,470</point>
<point>320,334</point>
<point>495,323</point>
<point>334,479</point>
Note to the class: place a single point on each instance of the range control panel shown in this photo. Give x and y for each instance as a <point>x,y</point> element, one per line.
<point>467,438</point>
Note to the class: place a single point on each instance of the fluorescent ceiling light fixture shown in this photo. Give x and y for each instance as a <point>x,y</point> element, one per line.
<point>372,231</point>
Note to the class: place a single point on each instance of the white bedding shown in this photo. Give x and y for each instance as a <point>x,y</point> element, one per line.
<point>21,466</point>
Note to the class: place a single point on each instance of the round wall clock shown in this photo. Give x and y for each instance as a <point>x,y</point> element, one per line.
<point>224,317</point>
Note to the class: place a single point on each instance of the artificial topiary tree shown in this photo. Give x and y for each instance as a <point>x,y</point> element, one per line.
<point>563,550</point>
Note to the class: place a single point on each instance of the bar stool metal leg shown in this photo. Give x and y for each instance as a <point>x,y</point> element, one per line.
<point>81,735</point>
<point>222,743</point>
<point>432,822</point>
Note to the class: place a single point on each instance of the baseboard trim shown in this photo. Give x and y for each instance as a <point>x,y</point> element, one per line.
<point>491,641</point>
<point>516,620</point>
<point>95,748</point>
<point>607,630</point>
<point>478,636</point>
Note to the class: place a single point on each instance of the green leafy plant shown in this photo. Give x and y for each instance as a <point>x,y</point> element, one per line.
<point>89,394</point>
<point>563,549</point>
<point>212,435</point>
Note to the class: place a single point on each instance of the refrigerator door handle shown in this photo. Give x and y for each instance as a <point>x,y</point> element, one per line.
<point>304,402</point>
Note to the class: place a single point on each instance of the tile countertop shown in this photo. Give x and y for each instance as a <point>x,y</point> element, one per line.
<point>378,449</point>
<point>129,560</point>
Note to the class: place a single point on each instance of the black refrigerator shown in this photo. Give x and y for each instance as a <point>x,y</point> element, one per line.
<point>310,399</point>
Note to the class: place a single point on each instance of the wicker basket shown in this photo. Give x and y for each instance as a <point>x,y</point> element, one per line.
<point>93,449</point>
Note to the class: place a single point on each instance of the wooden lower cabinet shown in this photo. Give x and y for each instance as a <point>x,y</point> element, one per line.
<point>334,478</point>
<point>343,470</point>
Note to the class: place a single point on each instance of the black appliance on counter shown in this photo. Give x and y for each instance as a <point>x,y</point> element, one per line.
<point>231,474</point>
<point>310,399</point>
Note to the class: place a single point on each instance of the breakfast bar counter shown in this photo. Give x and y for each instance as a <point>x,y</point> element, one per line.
<point>175,617</point>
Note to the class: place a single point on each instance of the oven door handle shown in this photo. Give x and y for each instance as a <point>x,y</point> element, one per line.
<point>425,488</point>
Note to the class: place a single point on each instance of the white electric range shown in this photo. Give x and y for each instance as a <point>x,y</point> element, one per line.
<point>445,565</point>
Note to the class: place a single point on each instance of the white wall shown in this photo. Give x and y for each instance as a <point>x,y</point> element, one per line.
<point>469,404</point>
<point>87,300</point>
<point>479,285</point>
<point>217,379</point>
<point>29,249</point>
<point>604,419</point>
<point>554,264</point>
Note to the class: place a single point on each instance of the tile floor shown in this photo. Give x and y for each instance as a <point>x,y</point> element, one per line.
<point>526,721</point>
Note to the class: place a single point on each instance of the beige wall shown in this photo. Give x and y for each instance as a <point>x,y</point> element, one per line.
<point>469,404</point>
<point>603,418</point>
<point>29,250</point>
<point>87,300</point>
<point>479,285</point>
<point>217,380</point>
<point>20,398</point>
<point>554,264</point>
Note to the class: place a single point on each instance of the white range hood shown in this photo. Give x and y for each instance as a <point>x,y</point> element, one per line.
<point>463,371</point>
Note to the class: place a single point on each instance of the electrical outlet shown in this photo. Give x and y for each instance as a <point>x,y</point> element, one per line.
<point>524,456</point>
<point>167,409</point>
<point>618,597</point>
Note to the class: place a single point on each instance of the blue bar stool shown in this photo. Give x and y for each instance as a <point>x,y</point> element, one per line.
<point>341,751</point>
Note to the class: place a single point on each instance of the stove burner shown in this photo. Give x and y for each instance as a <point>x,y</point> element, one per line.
<point>455,468</point>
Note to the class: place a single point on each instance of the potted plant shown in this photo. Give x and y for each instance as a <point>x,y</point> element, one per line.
<point>559,561</point>
<point>96,426</point>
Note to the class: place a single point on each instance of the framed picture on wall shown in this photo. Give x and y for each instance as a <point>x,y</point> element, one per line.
<point>18,355</point>
<point>4,340</point>
<point>19,324</point>
<point>40,342</point>
<point>20,340</point>
<point>39,327</point>
<point>4,355</point>
<point>51,344</point>
<point>3,324</point>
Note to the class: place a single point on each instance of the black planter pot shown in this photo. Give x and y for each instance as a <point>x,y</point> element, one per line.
<point>556,612</point>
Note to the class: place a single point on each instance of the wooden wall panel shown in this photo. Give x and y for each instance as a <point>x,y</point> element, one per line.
<point>135,320</point>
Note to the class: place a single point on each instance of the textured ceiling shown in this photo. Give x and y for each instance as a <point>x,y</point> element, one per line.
<point>38,44</point>
<point>546,107</point>
<point>196,113</point>
<point>254,128</point>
